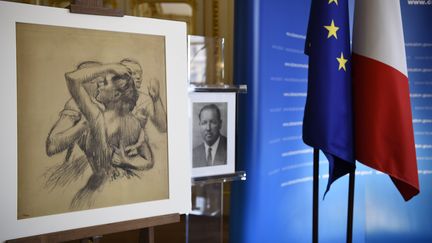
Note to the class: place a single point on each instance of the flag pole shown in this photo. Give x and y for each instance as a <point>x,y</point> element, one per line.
<point>315,196</point>
<point>350,206</point>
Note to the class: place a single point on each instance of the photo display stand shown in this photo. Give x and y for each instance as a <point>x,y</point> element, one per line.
<point>95,233</point>
<point>211,97</point>
<point>209,213</point>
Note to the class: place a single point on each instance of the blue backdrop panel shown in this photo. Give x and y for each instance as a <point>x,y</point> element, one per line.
<point>275,203</point>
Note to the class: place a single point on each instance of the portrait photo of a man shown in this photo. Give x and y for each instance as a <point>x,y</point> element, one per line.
<point>209,138</point>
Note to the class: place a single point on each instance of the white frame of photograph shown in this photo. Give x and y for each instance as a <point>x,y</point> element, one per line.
<point>197,101</point>
<point>177,120</point>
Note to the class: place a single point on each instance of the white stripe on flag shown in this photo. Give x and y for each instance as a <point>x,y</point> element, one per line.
<point>382,21</point>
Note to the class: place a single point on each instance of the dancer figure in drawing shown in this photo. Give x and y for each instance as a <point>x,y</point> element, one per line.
<point>149,103</point>
<point>111,130</point>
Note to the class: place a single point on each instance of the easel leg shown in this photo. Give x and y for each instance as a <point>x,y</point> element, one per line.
<point>147,235</point>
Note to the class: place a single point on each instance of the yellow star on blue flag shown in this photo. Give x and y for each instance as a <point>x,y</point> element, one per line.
<point>332,29</point>
<point>342,61</point>
<point>333,1</point>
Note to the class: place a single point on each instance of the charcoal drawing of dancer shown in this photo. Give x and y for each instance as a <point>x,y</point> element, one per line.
<point>107,130</point>
<point>111,130</point>
<point>64,164</point>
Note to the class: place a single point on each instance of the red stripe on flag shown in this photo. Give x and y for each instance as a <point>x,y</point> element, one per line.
<point>384,136</point>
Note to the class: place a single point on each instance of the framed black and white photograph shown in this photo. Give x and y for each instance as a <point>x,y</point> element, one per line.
<point>95,119</point>
<point>213,133</point>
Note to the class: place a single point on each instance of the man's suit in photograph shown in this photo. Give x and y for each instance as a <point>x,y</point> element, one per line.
<point>199,154</point>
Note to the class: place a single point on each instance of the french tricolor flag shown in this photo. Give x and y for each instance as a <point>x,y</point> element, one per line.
<point>384,137</point>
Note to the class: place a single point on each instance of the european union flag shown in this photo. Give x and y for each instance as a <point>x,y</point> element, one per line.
<point>328,118</point>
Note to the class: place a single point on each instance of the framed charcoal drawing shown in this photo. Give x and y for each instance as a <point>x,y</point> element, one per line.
<point>94,119</point>
<point>213,133</point>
